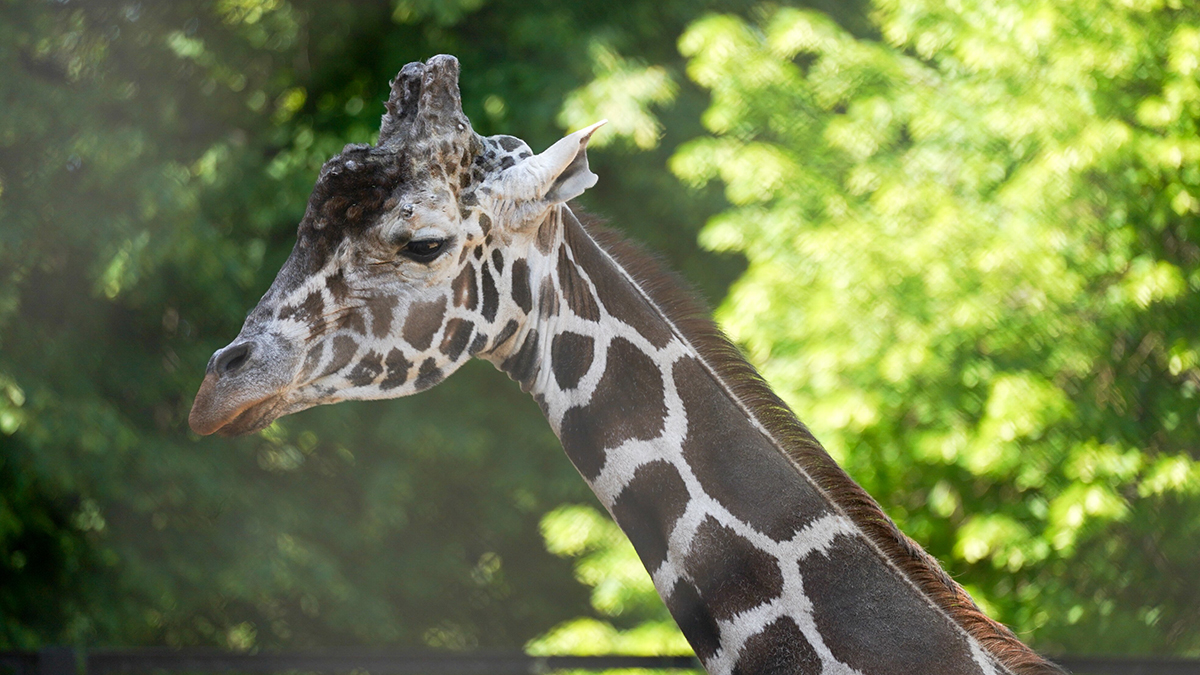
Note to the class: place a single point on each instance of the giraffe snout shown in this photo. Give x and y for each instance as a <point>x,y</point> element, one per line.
<point>242,388</point>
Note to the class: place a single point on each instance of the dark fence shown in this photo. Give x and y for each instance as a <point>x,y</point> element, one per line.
<point>158,661</point>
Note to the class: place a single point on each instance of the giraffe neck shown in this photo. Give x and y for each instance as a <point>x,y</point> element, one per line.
<point>761,567</point>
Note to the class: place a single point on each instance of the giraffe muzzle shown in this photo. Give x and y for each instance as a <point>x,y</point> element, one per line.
<point>242,390</point>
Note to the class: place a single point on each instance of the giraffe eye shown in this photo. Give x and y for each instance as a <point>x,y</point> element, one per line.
<point>424,250</point>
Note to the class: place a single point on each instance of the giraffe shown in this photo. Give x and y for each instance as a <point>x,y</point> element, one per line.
<point>437,245</point>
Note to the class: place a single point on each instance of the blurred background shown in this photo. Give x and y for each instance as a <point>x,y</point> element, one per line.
<point>962,241</point>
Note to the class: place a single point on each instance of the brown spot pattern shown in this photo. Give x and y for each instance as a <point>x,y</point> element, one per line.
<point>546,234</point>
<point>620,297</point>
<point>477,344</point>
<point>423,321</point>
<point>694,619</point>
<point>575,290</point>
<point>463,286</point>
<point>309,312</point>
<point>382,307</point>
<point>570,357</point>
<point>874,621</point>
<point>344,348</point>
<point>458,334</point>
<point>509,330</point>
<point>338,288</point>
<point>731,574</point>
<point>397,370</point>
<point>547,298</point>
<point>367,369</point>
<point>352,320</point>
<point>521,293</point>
<point>736,464</point>
<point>491,298</point>
<point>311,360</point>
<point>523,365</point>
<point>647,509</point>
<point>498,261</point>
<point>780,649</point>
<point>509,143</point>
<point>428,376</point>
<point>627,404</point>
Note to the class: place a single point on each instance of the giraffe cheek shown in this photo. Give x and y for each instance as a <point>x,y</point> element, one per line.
<point>422,323</point>
<point>457,335</point>
<point>428,375</point>
<point>465,293</point>
<point>396,367</point>
<point>311,361</point>
<point>344,349</point>
<point>382,309</point>
<point>491,297</point>
<point>365,372</point>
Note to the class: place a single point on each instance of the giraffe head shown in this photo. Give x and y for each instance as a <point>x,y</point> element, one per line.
<point>396,276</point>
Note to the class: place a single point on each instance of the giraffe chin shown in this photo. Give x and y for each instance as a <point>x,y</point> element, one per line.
<point>255,418</point>
<point>247,419</point>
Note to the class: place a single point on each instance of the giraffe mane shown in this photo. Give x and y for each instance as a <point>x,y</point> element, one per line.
<point>691,316</point>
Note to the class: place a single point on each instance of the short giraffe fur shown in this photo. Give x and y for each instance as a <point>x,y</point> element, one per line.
<point>437,245</point>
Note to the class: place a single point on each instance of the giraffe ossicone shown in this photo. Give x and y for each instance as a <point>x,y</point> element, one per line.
<point>437,245</point>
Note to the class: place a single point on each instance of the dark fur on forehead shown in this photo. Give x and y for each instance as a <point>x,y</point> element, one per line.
<point>351,193</point>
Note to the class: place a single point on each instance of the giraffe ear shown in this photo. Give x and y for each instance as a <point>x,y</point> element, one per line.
<point>569,156</point>
<point>557,175</point>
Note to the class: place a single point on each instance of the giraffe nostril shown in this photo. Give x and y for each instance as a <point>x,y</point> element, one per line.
<point>233,358</point>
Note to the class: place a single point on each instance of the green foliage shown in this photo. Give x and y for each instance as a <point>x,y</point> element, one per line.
<point>973,273</point>
<point>622,93</point>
